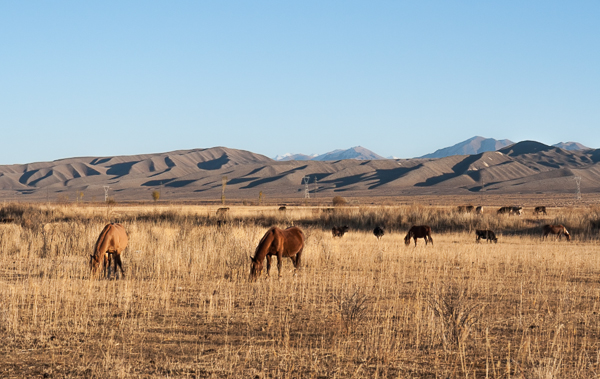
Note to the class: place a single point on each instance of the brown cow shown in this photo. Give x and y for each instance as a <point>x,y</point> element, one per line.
<point>419,231</point>
<point>556,230</point>
<point>111,243</point>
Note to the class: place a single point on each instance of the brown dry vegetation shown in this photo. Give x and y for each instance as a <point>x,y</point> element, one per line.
<point>524,307</point>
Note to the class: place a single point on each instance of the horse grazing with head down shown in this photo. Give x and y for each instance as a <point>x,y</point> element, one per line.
<point>111,243</point>
<point>282,243</point>
<point>419,231</point>
<point>339,231</point>
<point>556,230</point>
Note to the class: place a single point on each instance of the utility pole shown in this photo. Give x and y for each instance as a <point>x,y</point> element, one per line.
<point>106,188</point>
<point>578,182</point>
<point>305,181</point>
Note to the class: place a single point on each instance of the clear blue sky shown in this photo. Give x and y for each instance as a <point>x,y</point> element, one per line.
<point>402,78</point>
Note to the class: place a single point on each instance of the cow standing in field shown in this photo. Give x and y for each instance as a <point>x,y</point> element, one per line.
<point>419,231</point>
<point>488,235</point>
<point>539,210</point>
<point>556,230</point>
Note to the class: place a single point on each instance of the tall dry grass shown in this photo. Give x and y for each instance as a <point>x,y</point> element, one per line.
<point>357,308</point>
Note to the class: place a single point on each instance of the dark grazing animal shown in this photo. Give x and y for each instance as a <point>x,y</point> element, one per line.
<point>282,243</point>
<point>419,231</point>
<point>282,208</point>
<point>487,235</point>
<point>465,208</point>
<point>110,245</point>
<point>504,210</point>
<point>379,232</point>
<point>222,211</point>
<point>479,210</point>
<point>539,210</point>
<point>510,210</point>
<point>556,230</point>
<point>339,231</point>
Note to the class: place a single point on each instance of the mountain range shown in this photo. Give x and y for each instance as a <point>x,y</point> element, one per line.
<point>521,168</point>
<point>474,145</point>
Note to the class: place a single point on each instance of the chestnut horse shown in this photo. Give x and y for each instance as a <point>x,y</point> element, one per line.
<point>420,231</point>
<point>282,243</point>
<point>111,242</point>
<point>556,229</point>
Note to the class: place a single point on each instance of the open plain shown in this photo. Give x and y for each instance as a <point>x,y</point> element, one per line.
<point>358,307</point>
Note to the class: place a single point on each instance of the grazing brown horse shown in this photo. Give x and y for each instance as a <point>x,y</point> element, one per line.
<point>339,231</point>
<point>282,243</point>
<point>111,242</point>
<point>419,231</point>
<point>488,235</point>
<point>557,230</point>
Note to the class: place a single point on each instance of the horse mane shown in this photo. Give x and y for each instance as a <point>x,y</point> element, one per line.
<point>101,239</point>
<point>263,241</point>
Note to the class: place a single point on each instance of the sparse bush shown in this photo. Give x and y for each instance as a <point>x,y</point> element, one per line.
<point>339,201</point>
<point>155,195</point>
<point>352,306</point>
<point>455,313</point>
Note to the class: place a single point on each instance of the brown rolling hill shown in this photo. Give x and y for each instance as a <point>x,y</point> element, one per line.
<point>526,167</point>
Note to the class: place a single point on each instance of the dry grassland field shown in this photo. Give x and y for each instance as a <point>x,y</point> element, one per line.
<point>358,307</point>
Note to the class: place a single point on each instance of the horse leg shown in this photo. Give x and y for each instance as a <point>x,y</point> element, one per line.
<point>279,263</point>
<point>106,264</point>
<point>268,264</point>
<point>118,262</point>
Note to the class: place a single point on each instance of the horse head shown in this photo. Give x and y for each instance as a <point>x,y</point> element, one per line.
<point>94,263</point>
<point>255,269</point>
<point>407,239</point>
<point>567,234</point>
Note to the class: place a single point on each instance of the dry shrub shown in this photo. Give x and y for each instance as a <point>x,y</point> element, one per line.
<point>353,307</point>
<point>339,201</point>
<point>455,313</point>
